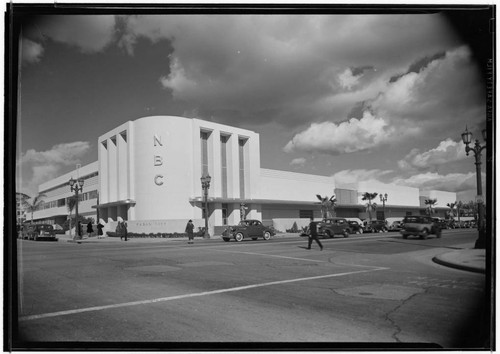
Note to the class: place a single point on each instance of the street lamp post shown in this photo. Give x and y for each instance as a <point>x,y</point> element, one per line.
<point>76,186</point>
<point>383,199</point>
<point>205,184</point>
<point>467,139</point>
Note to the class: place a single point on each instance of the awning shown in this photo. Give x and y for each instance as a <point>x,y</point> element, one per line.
<point>113,204</point>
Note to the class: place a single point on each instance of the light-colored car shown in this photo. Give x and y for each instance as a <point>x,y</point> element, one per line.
<point>421,226</point>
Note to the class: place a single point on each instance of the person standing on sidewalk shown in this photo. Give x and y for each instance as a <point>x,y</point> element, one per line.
<point>99,229</point>
<point>90,230</point>
<point>189,231</point>
<point>313,234</point>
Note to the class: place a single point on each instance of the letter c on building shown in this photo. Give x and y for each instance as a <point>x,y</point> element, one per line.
<point>158,180</point>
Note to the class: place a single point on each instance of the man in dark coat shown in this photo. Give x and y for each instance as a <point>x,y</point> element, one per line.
<point>90,229</point>
<point>189,231</point>
<point>313,234</point>
<point>99,229</point>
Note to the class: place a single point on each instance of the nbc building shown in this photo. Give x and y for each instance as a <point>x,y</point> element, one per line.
<point>148,172</point>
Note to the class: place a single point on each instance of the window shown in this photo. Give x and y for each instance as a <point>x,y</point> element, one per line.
<point>223,160</point>
<point>241,147</point>
<point>204,152</point>
<point>306,214</point>
<point>224,213</point>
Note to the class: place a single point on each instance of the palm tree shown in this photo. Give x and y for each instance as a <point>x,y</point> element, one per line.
<point>431,203</point>
<point>370,206</point>
<point>71,203</point>
<point>452,207</point>
<point>34,205</point>
<point>327,205</point>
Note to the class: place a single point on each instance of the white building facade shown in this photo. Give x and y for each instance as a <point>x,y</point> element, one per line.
<point>148,173</point>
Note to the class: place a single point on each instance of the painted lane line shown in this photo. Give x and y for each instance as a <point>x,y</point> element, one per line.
<point>269,255</point>
<point>186,296</point>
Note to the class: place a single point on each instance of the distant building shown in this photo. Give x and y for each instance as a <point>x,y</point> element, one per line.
<point>148,173</point>
<point>20,211</point>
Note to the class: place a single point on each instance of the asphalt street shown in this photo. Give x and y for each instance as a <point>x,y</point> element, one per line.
<point>362,291</point>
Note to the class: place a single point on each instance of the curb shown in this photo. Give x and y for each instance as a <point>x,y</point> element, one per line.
<point>453,260</point>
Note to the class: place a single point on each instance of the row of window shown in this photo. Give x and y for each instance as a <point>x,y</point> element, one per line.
<point>94,174</point>
<point>204,136</point>
<point>64,201</point>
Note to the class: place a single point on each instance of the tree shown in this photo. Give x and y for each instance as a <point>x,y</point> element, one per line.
<point>452,206</point>
<point>71,203</point>
<point>33,205</point>
<point>327,205</point>
<point>370,206</point>
<point>431,203</point>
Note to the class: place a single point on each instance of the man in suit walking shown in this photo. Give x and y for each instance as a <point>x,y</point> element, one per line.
<point>313,234</point>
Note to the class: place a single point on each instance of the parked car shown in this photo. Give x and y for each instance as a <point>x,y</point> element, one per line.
<point>334,226</point>
<point>375,226</point>
<point>443,224</point>
<point>248,229</point>
<point>356,227</point>
<point>395,225</point>
<point>421,226</point>
<point>38,232</point>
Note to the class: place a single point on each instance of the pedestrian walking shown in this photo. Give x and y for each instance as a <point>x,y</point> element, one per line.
<point>190,231</point>
<point>313,234</point>
<point>119,230</point>
<point>90,229</point>
<point>124,230</point>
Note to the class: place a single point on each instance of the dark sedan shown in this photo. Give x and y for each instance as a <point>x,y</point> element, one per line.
<point>247,229</point>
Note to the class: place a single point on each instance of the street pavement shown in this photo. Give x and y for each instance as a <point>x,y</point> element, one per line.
<point>466,258</point>
<point>371,288</point>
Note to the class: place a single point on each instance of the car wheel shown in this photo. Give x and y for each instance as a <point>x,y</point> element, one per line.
<point>328,234</point>
<point>424,234</point>
<point>360,231</point>
<point>254,238</point>
<point>226,239</point>
<point>267,235</point>
<point>438,233</point>
<point>346,233</point>
<point>405,236</point>
<point>238,237</point>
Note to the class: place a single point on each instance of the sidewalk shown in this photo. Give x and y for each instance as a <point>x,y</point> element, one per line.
<point>468,259</point>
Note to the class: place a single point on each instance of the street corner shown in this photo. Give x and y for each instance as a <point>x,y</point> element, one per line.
<point>472,260</point>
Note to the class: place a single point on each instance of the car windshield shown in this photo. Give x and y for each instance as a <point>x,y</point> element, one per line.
<point>46,227</point>
<point>415,219</point>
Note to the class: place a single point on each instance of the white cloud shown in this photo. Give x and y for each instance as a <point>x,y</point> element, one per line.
<point>347,79</point>
<point>41,166</point>
<point>31,51</point>
<point>345,137</point>
<point>300,161</point>
<point>453,182</point>
<point>284,65</point>
<point>447,151</point>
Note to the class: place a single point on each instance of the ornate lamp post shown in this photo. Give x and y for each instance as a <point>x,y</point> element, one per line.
<point>467,139</point>
<point>76,186</point>
<point>205,184</point>
<point>383,199</point>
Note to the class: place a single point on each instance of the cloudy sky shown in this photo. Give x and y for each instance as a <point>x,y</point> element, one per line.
<point>358,97</point>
